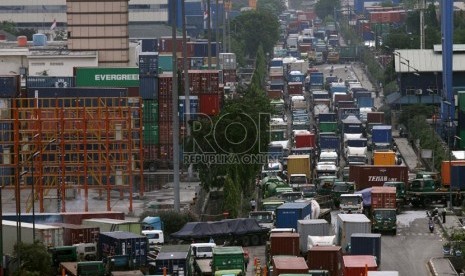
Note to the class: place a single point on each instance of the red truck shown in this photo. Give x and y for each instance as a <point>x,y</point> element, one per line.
<point>366,176</point>
<point>304,139</point>
<point>383,197</point>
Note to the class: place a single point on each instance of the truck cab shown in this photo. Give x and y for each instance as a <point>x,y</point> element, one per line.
<point>202,250</point>
<point>329,156</point>
<point>351,204</point>
<point>339,188</point>
<point>291,196</point>
<point>264,218</point>
<point>325,184</point>
<point>296,180</point>
<point>326,169</point>
<point>155,237</point>
<point>271,204</point>
<point>86,251</point>
<point>384,220</point>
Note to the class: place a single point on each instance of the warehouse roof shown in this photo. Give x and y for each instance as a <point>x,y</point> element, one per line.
<point>428,60</point>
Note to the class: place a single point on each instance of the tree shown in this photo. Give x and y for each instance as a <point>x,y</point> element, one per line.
<point>323,8</point>
<point>275,7</point>
<point>253,28</point>
<point>232,196</point>
<point>35,260</point>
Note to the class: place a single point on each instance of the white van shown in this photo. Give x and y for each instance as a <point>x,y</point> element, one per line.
<point>202,250</point>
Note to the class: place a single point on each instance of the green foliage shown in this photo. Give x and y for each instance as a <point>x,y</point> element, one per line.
<point>172,221</point>
<point>35,260</point>
<point>275,7</point>
<point>8,26</point>
<point>323,8</point>
<point>232,197</point>
<point>252,28</point>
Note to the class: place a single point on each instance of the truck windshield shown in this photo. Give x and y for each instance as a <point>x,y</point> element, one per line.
<point>271,206</point>
<point>290,197</point>
<point>356,159</point>
<point>301,179</point>
<point>341,187</point>
<point>262,217</point>
<point>350,200</point>
<point>384,214</point>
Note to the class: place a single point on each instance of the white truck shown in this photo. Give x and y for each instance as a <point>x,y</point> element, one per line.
<point>297,180</point>
<point>320,109</point>
<point>356,155</point>
<point>298,102</point>
<point>326,169</point>
<point>329,156</point>
<point>155,237</point>
<point>351,204</point>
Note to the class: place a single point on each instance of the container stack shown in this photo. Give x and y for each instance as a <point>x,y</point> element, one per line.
<point>205,84</point>
<point>461,118</point>
<point>228,65</point>
<point>165,115</point>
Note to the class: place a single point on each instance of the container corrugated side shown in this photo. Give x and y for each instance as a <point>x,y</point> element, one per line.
<point>311,227</point>
<point>150,110</point>
<point>327,258</point>
<point>348,224</point>
<point>148,88</point>
<point>75,92</point>
<point>106,76</point>
<point>366,244</point>
<point>151,133</point>
<point>284,244</point>
<point>148,64</point>
<point>9,86</point>
<point>123,243</point>
<point>49,81</point>
<point>288,264</point>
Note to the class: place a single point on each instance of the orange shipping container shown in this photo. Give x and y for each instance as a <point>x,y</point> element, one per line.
<point>289,265</point>
<point>384,158</point>
<point>383,197</point>
<point>356,265</point>
<point>445,170</point>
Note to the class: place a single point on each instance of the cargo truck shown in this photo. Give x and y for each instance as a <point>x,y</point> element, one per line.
<point>366,244</point>
<point>121,243</point>
<point>174,258</point>
<point>425,191</point>
<point>299,164</point>
<point>348,224</point>
<point>383,209</point>
<point>316,79</point>
<point>289,264</point>
<point>351,203</point>
<point>381,137</point>
<point>369,176</point>
<point>311,227</point>
<point>326,258</point>
<point>358,264</point>
<point>401,190</point>
<point>288,214</point>
<point>283,243</point>
<point>384,158</point>
<point>228,258</point>
<point>356,155</point>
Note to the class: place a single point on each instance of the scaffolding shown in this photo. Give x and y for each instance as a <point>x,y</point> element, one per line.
<point>71,145</point>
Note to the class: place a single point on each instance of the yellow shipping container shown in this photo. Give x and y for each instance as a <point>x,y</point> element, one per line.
<point>384,158</point>
<point>299,164</point>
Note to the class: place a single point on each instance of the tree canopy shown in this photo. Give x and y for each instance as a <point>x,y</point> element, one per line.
<point>35,260</point>
<point>275,7</point>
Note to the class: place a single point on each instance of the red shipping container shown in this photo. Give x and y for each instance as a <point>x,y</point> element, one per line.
<point>229,75</point>
<point>445,170</point>
<point>77,217</point>
<point>342,97</point>
<point>305,139</point>
<point>375,117</point>
<point>367,176</point>
<point>209,104</point>
<point>165,130</point>
<point>150,152</point>
<point>279,77</point>
<point>165,85</point>
<point>289,265</point>
<point>274,94</point>
<point>304,48</point>
<point>74,233</point>
<point>383,197</point>
<point>326,258</point>
<point>165,44</point>
<point>284,244</point>
<point>356,265</point>
<point>295,88</point>
<point>165,110</point>
<point>166,151</point>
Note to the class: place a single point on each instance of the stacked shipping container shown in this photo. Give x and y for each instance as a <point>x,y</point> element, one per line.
<point>9,88</point>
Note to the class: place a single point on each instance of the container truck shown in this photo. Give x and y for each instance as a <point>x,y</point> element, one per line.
<point>50,236</point>
<point>446,173</point>
<point>327,258</point>
<point>320,109</point>
<point>351,203</point>
<point>366,244</point>
<point>121,243</point>
<point>375,117</point>
<point>74,234</point>
<point>228,258</point>
<point>283,243</point>
<point>175,258</point>
<point>368,176</point>
<point>425,191</point>
<point>385,158</point>
<point>381,137</point>
<point>299,164</point>
<point>288,214</point>
<point>316,80</point>
<point>328,126</point>
<point>348,224</point>
<point>304,139</point>
<point>311,227</point>
<point>356,155</point>
<point>289,264</point>
<point>326,169</point>
<point>358,265</point>
<point>329,142</point>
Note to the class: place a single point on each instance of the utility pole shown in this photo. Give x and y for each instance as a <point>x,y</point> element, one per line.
<point>217,37</point>
<point>175,111</point>
<point>209,34</point>
<point>422,7</point>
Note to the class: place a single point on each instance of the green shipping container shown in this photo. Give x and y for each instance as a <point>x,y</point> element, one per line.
<point>461,100</point>
<point>150,110</point>
<point>278,135</point>
<point>230,257</point>
<point>328,126</point>
<point>151,133</point>
<point>107,77</point>
<point>165,63</point>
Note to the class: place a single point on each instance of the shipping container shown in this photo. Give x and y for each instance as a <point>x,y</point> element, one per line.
<point>381,134</point>
<point>174,258</point>
<point>148,64</point>
<point>365,102</point>
<point>328,126</point>
<point>348,224</point>
<point>311,227</point>
<point>10,86</point>
<point>375,117</point>
<point>284,244</point>
<point>201,48</point>
<point>123,243</point>
<point>227,61</point>
<point>149,44</point>
<point>112,225</point>
<point>289,213</point>
<point>151,133</point>
<point>357,265</point>
<point>289,264</point>
<point>49,81</point>
<point>150,110</point>
<point>165,130</point>
<point>295,88</point>
<point>366,244</point>
<point>326,258</point>
<point>445,170</point>
<point>209,104</point>
<point>77,217</point>
<point>148,89</point>
<point>457,175</point>
<point>327,117</point>
<point>75,233</point>
<point>106,76</point>
<point>6,135</point>
<point>229,76</point>
<point>47,234</point>
<point>383,197</point>
<point>384,158</point>
<point>166,43</point>
<point>76,92</point>
<point>5,108</point>
<point>165,63</point>
<point>367,176</point>
<point>150,152</point>
<point>299,164</point>
<point>275,94</point>
<point>193,107</point>
<point>305,139</point>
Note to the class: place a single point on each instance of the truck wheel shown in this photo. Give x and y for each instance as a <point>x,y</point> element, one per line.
<point>255,240</point>
<point>152,167</point>
<point>245,241</point>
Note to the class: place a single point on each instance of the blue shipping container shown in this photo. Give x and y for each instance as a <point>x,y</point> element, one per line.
<point>38,217</point>
<point>345,112</point>
<point>289,213</point>
<point>149,44</point>
<point>201,49</point>
<point>368,36</point>
<point>9,86</point>
<point>358,93</point>
<point>276,62</point>
<point>458,176</point>
<point>329,142</point>
<point>193,106</point>
<point>327,117</point>
<point>48,81</point>
<point>173,261</point>
<point>357,143</point>
<point>5,133</point>
<point>295,54</point>
<point>381,134</point>
<point>366,244</point>
<point>6,176</point>
<point>148,64</point>
<point>365,102</point>
<point>123,243</point>
<point>352,128</point>
<point>148,88</point>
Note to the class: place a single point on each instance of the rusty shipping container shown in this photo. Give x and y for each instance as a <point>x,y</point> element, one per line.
<point>74,233</point>
<point>165,85</point>
<point>445,170</point>
<point>375,118</point>
<point>383,197</point>
<point>367,176</point>
<point>166,43</point>
<point>274,94</point>
<point>284,244</point>
<point>289,265</point>
<point>357,265</point>
<point>229,75</point>
<point>326,258</point>
<point>165,109</point>
<point>295,88</point>
<point>209,104</point>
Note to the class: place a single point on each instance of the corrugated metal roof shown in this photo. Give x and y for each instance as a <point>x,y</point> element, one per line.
<point>424,61</point>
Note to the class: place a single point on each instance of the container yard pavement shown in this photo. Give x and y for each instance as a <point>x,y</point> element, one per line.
<point>441,265</point>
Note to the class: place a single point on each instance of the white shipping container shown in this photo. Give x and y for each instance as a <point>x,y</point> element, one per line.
<point>311,227</point>
<point>348,224</point>
<point>47,234</point>
<point>227,61</point>
<point>5,108</point>
<point>276,70</point>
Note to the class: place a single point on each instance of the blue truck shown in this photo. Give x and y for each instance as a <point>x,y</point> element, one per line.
<point>381,137</point>
<point>289,213</point>
<point>365,102</point>
<point>327,117</point>
<point>317,80</point>
<point>329,142</point>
